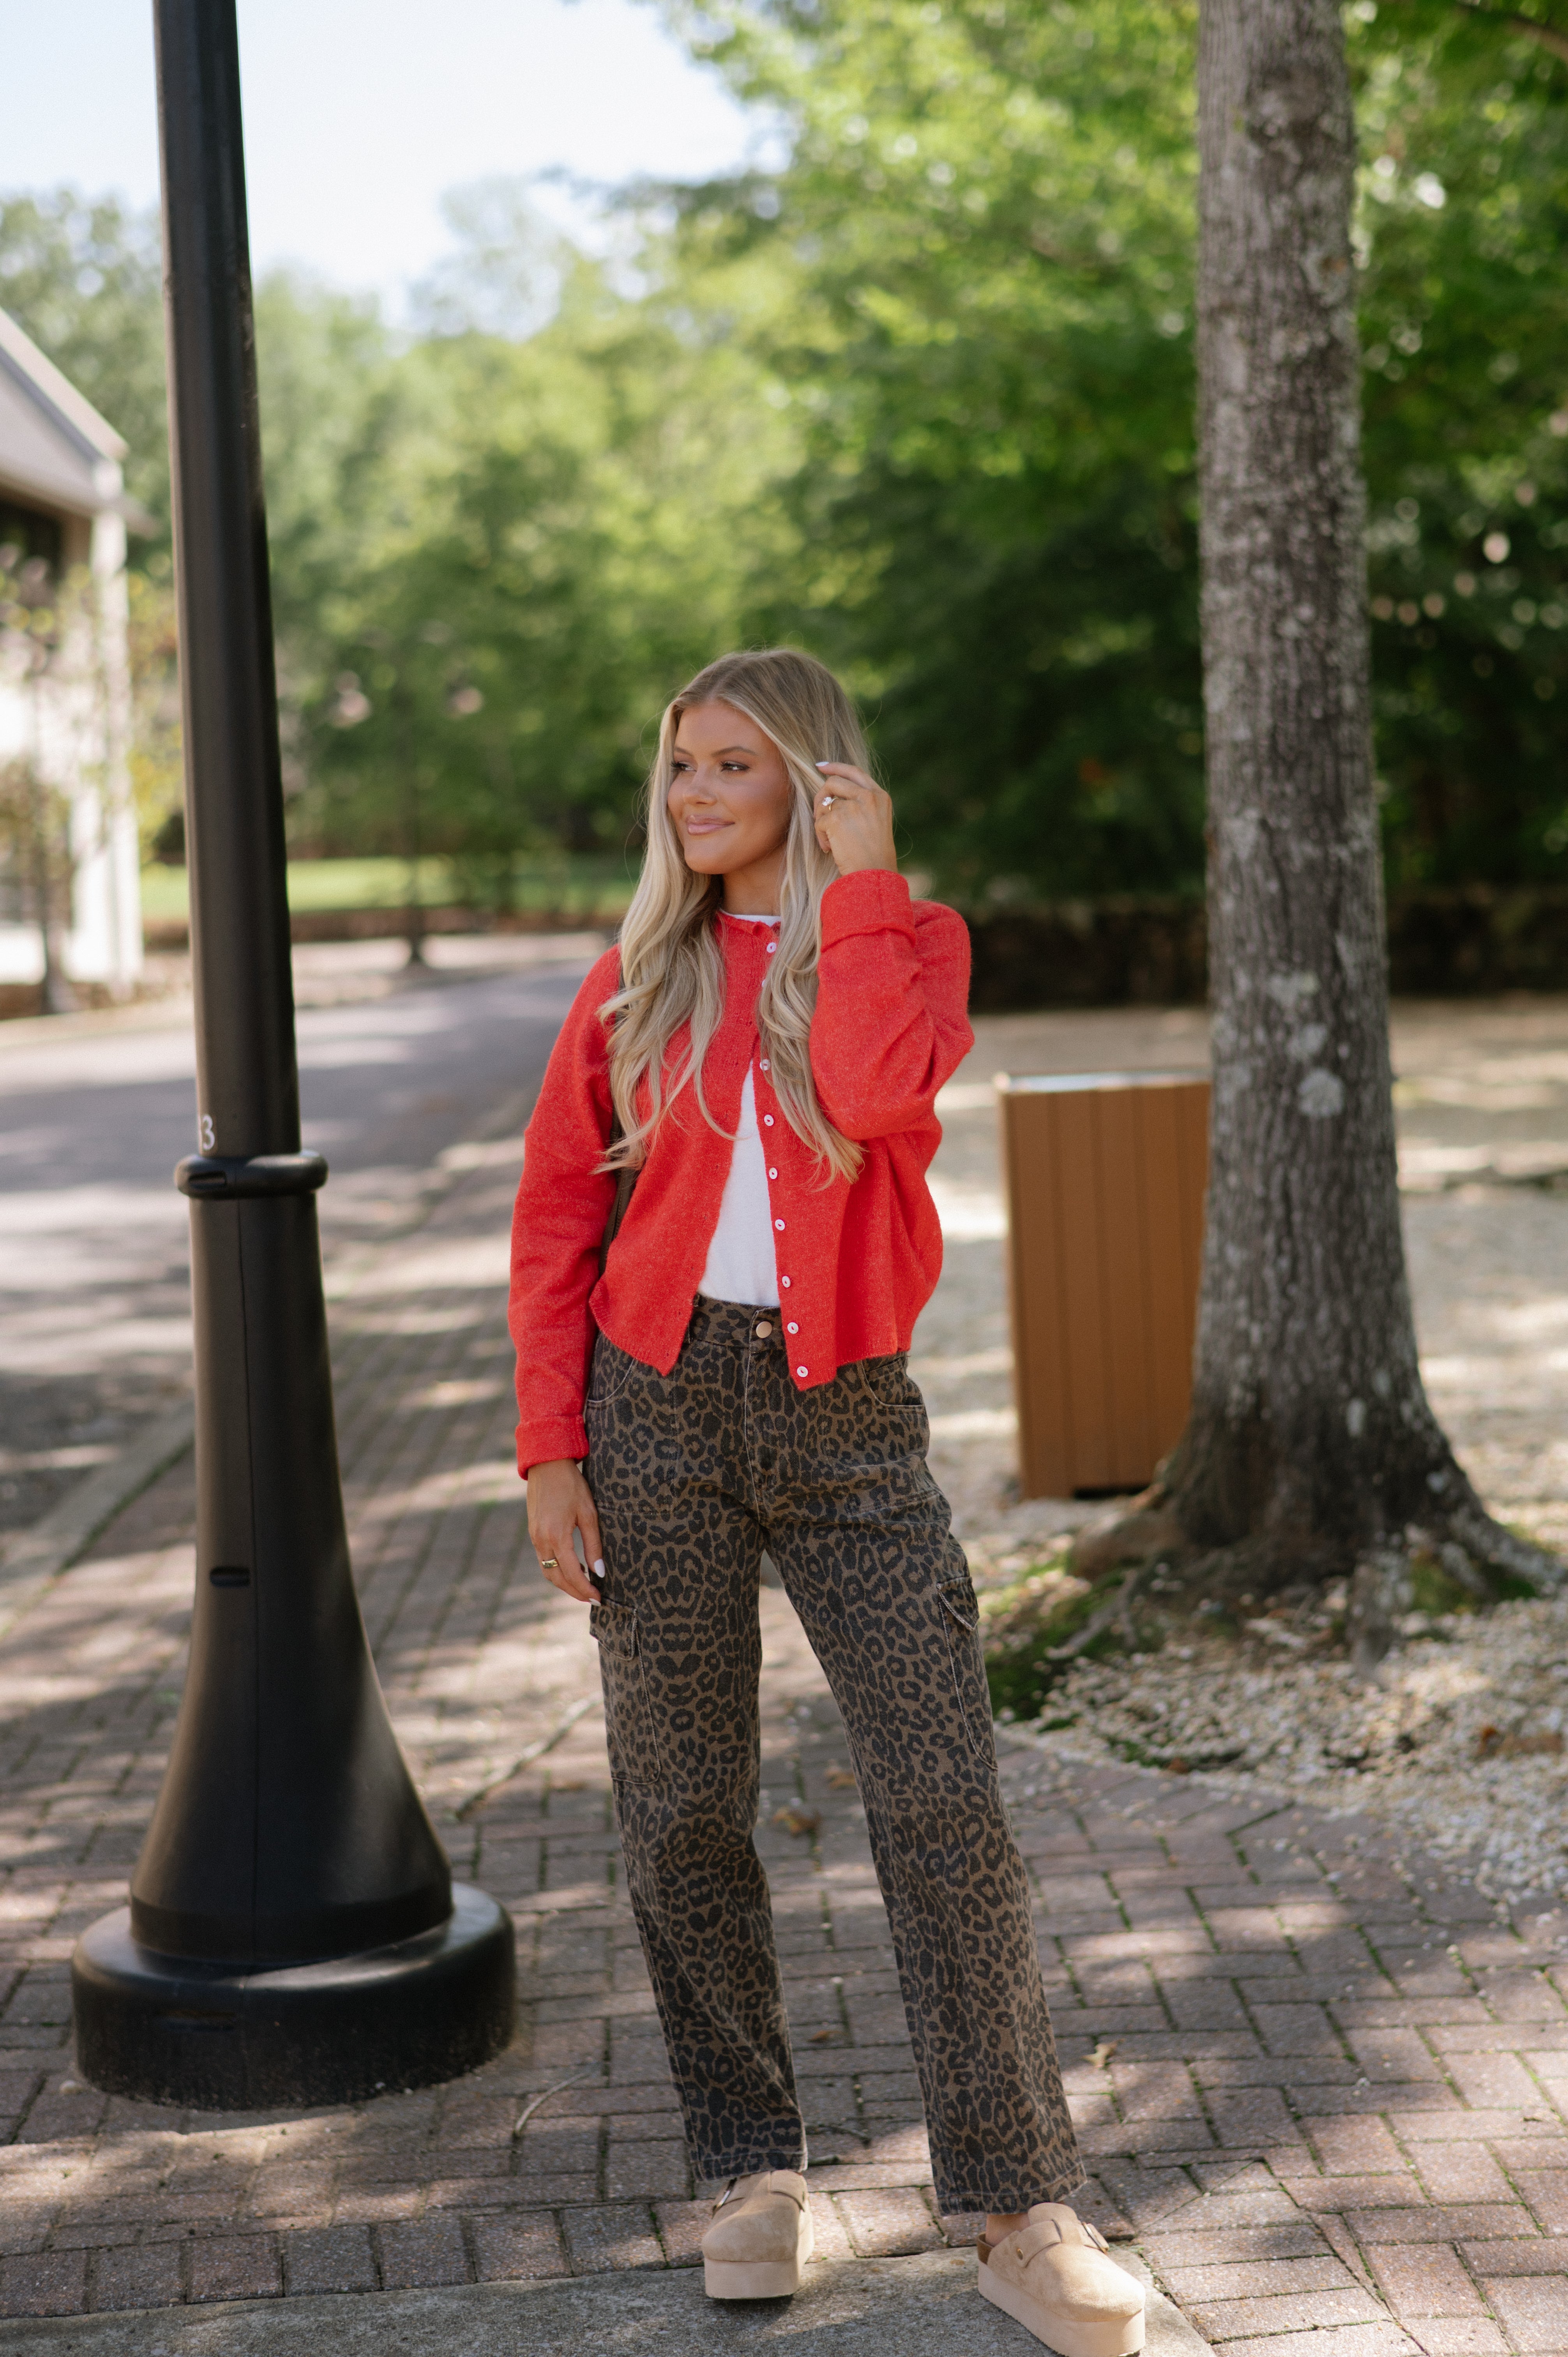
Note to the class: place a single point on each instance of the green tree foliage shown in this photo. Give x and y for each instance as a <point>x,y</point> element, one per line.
<point>577,521</point>
<point>495,546</point>
<point>334,415</point>
<point>920,398</point>
<point>989,208</point>
<point>1465,321</point>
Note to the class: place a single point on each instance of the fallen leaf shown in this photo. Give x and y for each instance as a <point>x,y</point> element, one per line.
<point>1492,1744</point>
<point>1103,2053</point>
<point>822,2037</point>
<point>795,1820</point>
<point>1178,1768</point>
<point>840,1779</point>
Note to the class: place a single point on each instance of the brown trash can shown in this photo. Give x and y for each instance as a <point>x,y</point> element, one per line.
<point>1105,1173</point>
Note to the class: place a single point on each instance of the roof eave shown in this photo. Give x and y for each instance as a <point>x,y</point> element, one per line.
<point>74,411</point>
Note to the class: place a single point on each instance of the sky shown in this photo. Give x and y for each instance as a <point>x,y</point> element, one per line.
<point>359,113</point>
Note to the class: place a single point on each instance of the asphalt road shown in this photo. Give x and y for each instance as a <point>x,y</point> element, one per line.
<point>95,1112</point>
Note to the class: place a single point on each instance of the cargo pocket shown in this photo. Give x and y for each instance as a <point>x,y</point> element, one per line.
<point>635,1758</point>
<point>961,1622</point>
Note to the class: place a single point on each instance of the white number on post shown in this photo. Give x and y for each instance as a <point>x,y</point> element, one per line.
<point>208,1133</point>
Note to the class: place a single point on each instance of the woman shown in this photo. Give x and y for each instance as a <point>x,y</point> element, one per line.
<point>764,1051</point>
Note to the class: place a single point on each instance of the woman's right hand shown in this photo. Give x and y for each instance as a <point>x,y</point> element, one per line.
<point>560,1503</point>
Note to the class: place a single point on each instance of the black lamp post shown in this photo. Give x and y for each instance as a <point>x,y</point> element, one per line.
<point>294,1935</point>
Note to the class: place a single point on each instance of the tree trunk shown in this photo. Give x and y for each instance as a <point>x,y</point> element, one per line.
<point>1311,1448</point>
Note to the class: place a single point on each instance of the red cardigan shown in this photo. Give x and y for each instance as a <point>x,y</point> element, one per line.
<point>857,1262</point>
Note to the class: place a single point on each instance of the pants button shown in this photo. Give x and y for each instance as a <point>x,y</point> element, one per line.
<point>763,1329</point>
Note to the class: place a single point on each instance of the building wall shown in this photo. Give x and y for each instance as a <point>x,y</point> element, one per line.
<point>74,726</point>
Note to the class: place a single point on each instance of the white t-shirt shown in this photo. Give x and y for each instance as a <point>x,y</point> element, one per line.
<point>740,1263</point>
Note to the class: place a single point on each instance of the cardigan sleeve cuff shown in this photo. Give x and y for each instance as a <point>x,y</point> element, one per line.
<point>872,900</point>
<point>544,1442</point>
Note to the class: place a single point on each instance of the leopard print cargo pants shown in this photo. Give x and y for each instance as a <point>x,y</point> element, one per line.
<point>693,1474</point>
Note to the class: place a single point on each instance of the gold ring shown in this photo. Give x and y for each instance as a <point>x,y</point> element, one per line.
<point>549,1562</point>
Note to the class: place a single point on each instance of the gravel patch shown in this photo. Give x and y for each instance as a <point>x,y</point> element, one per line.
<point>1461,1743</point>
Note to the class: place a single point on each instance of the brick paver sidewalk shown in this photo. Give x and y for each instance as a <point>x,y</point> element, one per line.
<point>1324,2091</point>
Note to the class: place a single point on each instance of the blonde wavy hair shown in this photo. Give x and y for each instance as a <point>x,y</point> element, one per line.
<point>671,965</point>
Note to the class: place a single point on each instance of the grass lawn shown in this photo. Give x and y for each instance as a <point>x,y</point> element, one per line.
<point>576,886</point>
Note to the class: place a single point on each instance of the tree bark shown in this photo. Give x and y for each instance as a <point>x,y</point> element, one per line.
<point>1311,1446</point>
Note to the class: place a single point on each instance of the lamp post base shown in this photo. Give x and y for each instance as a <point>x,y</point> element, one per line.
<point>215,2038</point>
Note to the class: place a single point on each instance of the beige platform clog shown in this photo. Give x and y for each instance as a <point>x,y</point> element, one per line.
<point>1054,2275</point>
<point>760,2238</point>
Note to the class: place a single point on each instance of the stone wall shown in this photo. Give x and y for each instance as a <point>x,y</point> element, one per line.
<point>1474,940</point>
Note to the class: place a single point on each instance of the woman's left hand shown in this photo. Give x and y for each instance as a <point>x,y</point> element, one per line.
<point>855,820</point>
